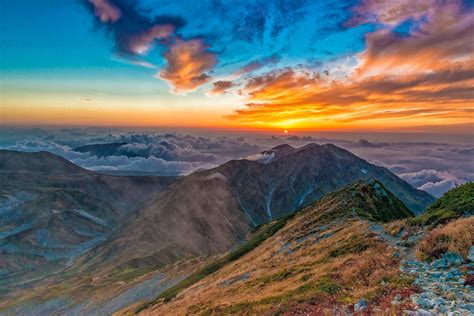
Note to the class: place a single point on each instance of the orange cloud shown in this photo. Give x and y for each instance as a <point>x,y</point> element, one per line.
<point>188,62</point>
<point>445,36</point>
<point>423,78</point>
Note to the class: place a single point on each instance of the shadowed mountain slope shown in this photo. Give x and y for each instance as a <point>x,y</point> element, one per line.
<point>52,211</point>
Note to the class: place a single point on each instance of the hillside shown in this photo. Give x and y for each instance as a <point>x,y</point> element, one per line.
<point>337,257</point>
<point>324,258</point>
<point>455,203</point>
<point>209,212</point>
<point>52,211</point>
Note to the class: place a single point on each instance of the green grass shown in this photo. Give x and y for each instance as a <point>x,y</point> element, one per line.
<point>327,285</point>
<point>354,245</point>
<point>375,202</point>
<point>453,204</point>
<point>260,236</point>
<point>313,290</point>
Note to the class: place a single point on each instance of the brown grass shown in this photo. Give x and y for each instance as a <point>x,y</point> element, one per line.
<point>395,228</point>
<point>456,236</point>
<point>338,270</point>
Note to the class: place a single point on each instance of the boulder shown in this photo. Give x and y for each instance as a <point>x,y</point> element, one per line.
<point>361,306</point>
<point>453,259</point>
<point>439,264</point>
<point>470,256</point>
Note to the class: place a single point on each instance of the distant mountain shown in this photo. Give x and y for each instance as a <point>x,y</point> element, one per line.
<point>210,211</point>
<point>101,150</point>
<point>52,211</point>
<point>324,257</point>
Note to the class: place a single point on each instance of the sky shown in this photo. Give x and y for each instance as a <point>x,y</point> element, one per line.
<point>368,65</point>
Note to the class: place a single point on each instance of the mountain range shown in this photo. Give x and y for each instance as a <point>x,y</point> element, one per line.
<point>64,219</point>
<point>210,211</point>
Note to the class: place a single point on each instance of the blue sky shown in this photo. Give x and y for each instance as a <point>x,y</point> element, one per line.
<point>58,39</point>
<point>206,55</point>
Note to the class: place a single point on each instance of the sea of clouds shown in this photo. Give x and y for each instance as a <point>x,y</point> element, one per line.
<point>431,166</point>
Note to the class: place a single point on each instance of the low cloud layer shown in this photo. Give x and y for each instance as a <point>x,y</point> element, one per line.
<point>433,166</point>
<point>157,153</point>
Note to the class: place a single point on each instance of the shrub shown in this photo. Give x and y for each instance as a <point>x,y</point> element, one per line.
<point>455,203</point>
<point>456,236</point>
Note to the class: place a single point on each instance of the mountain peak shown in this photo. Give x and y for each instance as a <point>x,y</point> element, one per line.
<point>279,151</point>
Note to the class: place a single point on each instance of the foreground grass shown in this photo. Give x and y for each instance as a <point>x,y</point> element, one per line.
<point>262,234</point>
<point>457,236</point>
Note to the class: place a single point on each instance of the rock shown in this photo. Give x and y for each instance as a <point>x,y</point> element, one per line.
<point>361,306</point>
<point>422,312</point>
<point>453,259</point>
<point>396,255</point>
<point>453,273</point>
<point>396,299</point>
<point>439,264</point>
<point>470,256</point>
<point>423,302</point>
<point>441,309</point>
<point>469,307</point>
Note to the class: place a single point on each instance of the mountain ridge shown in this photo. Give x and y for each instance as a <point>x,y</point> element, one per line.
<point>210,211</point>
<point>322,225</point>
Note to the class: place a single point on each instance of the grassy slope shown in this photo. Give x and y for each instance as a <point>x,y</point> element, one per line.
<point>262,234</point>
<point>453,204</point>
<point>324,253</point>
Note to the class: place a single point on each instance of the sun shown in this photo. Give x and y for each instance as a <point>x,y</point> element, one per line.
<point>285,131</point>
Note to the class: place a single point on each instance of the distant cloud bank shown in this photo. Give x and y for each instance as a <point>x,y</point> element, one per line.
<point>430,166</point>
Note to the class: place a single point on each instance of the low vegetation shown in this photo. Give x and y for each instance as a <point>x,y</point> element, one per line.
<point>457,236</point>
<point>455,203</point>
<point>260,236</point>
